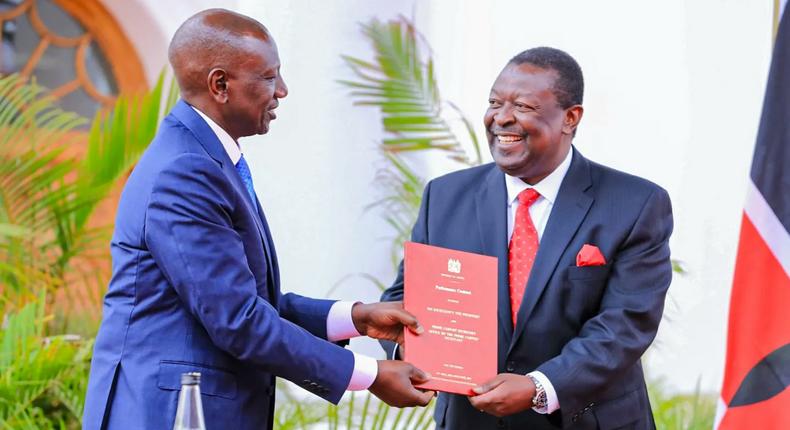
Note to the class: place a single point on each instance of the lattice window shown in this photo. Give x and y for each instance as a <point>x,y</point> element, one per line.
<point>63,45</point>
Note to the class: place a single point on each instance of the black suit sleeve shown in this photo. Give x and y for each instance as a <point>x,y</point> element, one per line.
<point>631,308</point>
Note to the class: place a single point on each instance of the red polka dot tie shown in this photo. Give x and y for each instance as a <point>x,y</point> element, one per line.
<point>522,249</point>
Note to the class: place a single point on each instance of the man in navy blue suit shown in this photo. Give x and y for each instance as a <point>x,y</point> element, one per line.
<point>583,261</point>
<point>195,284</point>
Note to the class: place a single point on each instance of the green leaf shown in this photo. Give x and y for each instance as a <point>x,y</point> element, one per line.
<point>48,196</point>
<point>400,82</point>
<point>13,230</point>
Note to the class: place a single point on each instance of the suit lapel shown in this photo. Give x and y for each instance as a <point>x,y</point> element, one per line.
<point>491,208</point>
<point>210,142</point>
<point>263,229</point>
<point>271,254</point>
<point>567,214</point>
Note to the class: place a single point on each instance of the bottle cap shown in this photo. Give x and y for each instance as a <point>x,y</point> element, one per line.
<point>191,378</point>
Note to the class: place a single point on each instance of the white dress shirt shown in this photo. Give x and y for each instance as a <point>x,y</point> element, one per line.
<point>339,324</point>
<point>548,188</point>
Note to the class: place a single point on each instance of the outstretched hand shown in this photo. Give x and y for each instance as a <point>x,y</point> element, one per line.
<point>395,381</point>
<point>384,320</point>
<point>505,394</point>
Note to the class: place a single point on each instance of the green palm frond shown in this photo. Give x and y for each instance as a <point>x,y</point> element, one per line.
<point>401,83</point>
<point>401,204</point>
<point>362,411</point>
<point>31,173</point>
<point>34,368</point>
<point>13,230</point>
<point>681,411</point>
<point>372,413</point>
<point>50,194</point>
<point>118,138</point>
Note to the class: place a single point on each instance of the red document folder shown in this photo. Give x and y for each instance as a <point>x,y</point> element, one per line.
<point>453,294</point>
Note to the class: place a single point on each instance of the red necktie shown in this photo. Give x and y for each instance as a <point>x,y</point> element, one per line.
<point>522,249</point>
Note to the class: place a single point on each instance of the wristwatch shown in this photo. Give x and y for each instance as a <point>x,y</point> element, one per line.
<point>540,401</point>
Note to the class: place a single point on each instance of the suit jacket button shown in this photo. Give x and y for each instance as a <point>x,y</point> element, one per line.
<point>510,367</point>
<point>500,423</point>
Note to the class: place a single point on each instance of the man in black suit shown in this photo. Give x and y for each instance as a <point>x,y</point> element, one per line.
<point>583,261</point>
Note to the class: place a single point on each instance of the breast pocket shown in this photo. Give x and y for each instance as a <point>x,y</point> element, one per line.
<point>582,291</point>
<point>588,273</point>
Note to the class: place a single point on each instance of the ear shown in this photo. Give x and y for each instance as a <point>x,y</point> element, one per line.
<point>573,116</point>
<point>218,85</point>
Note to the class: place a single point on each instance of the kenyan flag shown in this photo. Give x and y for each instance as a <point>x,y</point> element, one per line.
<point>755,392</point>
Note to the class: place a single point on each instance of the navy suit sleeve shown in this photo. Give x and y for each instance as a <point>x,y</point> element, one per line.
<point>419,234</point>
<point>630,311</point>
<point>190,234</point>
<point>309,313</point>
<point>306,312</point>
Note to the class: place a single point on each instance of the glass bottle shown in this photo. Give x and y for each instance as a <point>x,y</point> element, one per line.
<point>189,415</point>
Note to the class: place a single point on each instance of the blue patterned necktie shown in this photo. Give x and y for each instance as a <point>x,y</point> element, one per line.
<point>271,258</point>
<point>246,177</point>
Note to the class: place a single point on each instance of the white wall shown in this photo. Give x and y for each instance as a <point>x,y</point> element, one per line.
<point>673,93</point>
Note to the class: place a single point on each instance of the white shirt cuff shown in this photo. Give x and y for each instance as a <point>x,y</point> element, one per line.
<point>365,371</point>
<point>552,403</point>
<point>339,324</point>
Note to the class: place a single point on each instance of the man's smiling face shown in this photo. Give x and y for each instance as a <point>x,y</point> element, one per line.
<point>525,124</point>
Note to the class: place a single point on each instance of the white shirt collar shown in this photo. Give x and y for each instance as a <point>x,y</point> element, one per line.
<point>548,188</point>
<point>230,145</point>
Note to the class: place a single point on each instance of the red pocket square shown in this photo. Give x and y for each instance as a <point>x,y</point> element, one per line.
<point>590,255</point>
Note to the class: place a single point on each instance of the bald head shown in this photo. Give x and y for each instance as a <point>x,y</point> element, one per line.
<point>213,38</point>
<point>227,66</point>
